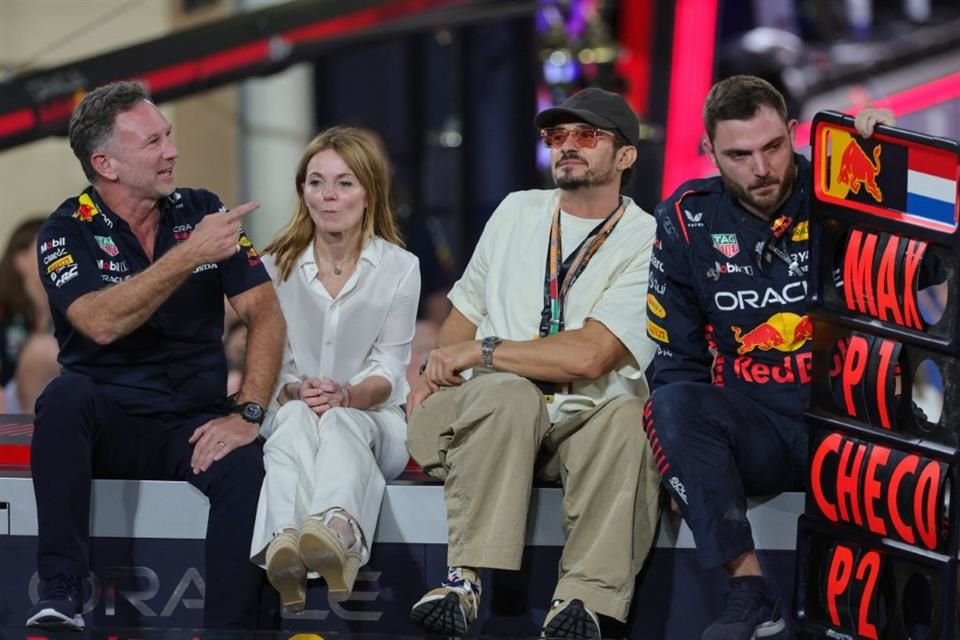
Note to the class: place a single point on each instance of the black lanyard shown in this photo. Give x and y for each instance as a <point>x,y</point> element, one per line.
<point>778,229</point>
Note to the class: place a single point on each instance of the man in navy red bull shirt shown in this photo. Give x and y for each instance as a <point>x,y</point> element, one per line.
<point>136,271</point>
<point>727,306</point>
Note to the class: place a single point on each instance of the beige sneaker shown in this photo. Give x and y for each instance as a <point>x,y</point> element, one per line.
<point>451,608</point>
<point>323,550</point>
<point>286,572</point>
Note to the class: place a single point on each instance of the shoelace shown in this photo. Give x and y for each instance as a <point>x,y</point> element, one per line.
<point>741,604</point>
<point>456,580</point>
<point>61,587</point>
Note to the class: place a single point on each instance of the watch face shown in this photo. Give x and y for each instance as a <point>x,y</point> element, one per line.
<point>253,412</point>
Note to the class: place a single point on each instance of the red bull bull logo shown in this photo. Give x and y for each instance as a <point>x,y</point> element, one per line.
<point>783,331</point>
<point>780,225</point>
<point>86,209</point>
<point>858,171</point>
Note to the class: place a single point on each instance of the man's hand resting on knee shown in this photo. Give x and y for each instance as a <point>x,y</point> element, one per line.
<point>215,439</point>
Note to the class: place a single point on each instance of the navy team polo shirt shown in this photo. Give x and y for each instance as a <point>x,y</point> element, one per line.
<point>174,364</point>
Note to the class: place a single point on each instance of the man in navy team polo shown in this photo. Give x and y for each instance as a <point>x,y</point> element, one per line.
<point>136,271</point>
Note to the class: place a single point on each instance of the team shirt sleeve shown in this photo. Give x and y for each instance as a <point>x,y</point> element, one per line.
<point>68,267</point>
<point>675,319</point>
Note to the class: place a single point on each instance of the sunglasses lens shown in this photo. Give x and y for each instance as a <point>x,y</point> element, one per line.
<point>554,138</point>
<point>586,138</point>
<point>582,138</point>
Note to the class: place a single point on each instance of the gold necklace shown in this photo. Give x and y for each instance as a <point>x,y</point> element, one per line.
<point>337,268</point>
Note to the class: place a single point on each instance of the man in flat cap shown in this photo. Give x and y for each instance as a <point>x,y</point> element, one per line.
<point>539,374</point>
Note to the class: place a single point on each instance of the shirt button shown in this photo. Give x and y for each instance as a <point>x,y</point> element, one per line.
<point>328,342</point>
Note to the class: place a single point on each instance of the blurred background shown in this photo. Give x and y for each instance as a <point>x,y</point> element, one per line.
<point>450,86</point>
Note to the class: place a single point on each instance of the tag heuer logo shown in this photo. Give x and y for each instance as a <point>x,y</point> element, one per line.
<point>726,243</point>
<point>106,243</point>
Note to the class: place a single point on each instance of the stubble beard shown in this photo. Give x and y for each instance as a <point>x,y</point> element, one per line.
<point>766,206</point>
<point>568,182</point>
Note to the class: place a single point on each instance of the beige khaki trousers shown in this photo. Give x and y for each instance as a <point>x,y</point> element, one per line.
<point>490,437</point>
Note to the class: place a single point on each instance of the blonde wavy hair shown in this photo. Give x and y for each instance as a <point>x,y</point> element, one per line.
<point>361,154</point>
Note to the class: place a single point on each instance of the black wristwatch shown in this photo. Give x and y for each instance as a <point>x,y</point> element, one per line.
<point>251,412</point>
<point>487,345</point>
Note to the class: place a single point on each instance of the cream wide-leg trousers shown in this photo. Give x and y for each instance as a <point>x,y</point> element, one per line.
<point>313,463</point>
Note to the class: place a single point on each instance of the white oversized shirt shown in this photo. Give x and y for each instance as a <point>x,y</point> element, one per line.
<point>365,331</point>
<point>501,290</point>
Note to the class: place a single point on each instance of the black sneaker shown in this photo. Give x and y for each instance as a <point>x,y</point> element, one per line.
<point>571,620</point>
<point>748,614</point>
<point>451,608</point>
<point>60,605</point>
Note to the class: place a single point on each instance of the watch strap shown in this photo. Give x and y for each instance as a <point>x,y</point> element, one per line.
<point>487,345</point>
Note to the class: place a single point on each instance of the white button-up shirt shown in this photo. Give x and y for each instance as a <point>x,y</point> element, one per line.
<point>501,290</point>
<point>365,331</point>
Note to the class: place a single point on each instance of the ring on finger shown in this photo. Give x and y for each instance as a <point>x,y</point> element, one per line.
<point>220,442</point>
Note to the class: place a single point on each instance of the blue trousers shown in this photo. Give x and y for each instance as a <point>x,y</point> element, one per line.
<point>81,434</point>
<point>715,447</point>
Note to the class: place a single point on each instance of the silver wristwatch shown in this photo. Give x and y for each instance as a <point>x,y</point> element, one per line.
<point>487,345</point>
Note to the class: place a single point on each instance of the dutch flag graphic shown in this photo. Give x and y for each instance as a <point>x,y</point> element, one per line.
<point>931,186</point>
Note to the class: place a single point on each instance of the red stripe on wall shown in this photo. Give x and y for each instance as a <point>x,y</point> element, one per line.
<point>691,74</point>
<point>923,96</point>
<point>15,455</point>
<point>208,66</point>
<point>362,19</point>
<point>636,40</point>
<point>18,121</point>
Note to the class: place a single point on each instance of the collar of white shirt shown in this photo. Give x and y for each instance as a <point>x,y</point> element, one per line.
<point>372,253</point>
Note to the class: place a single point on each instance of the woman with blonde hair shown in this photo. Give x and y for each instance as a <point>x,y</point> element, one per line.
<point>336,429</point>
